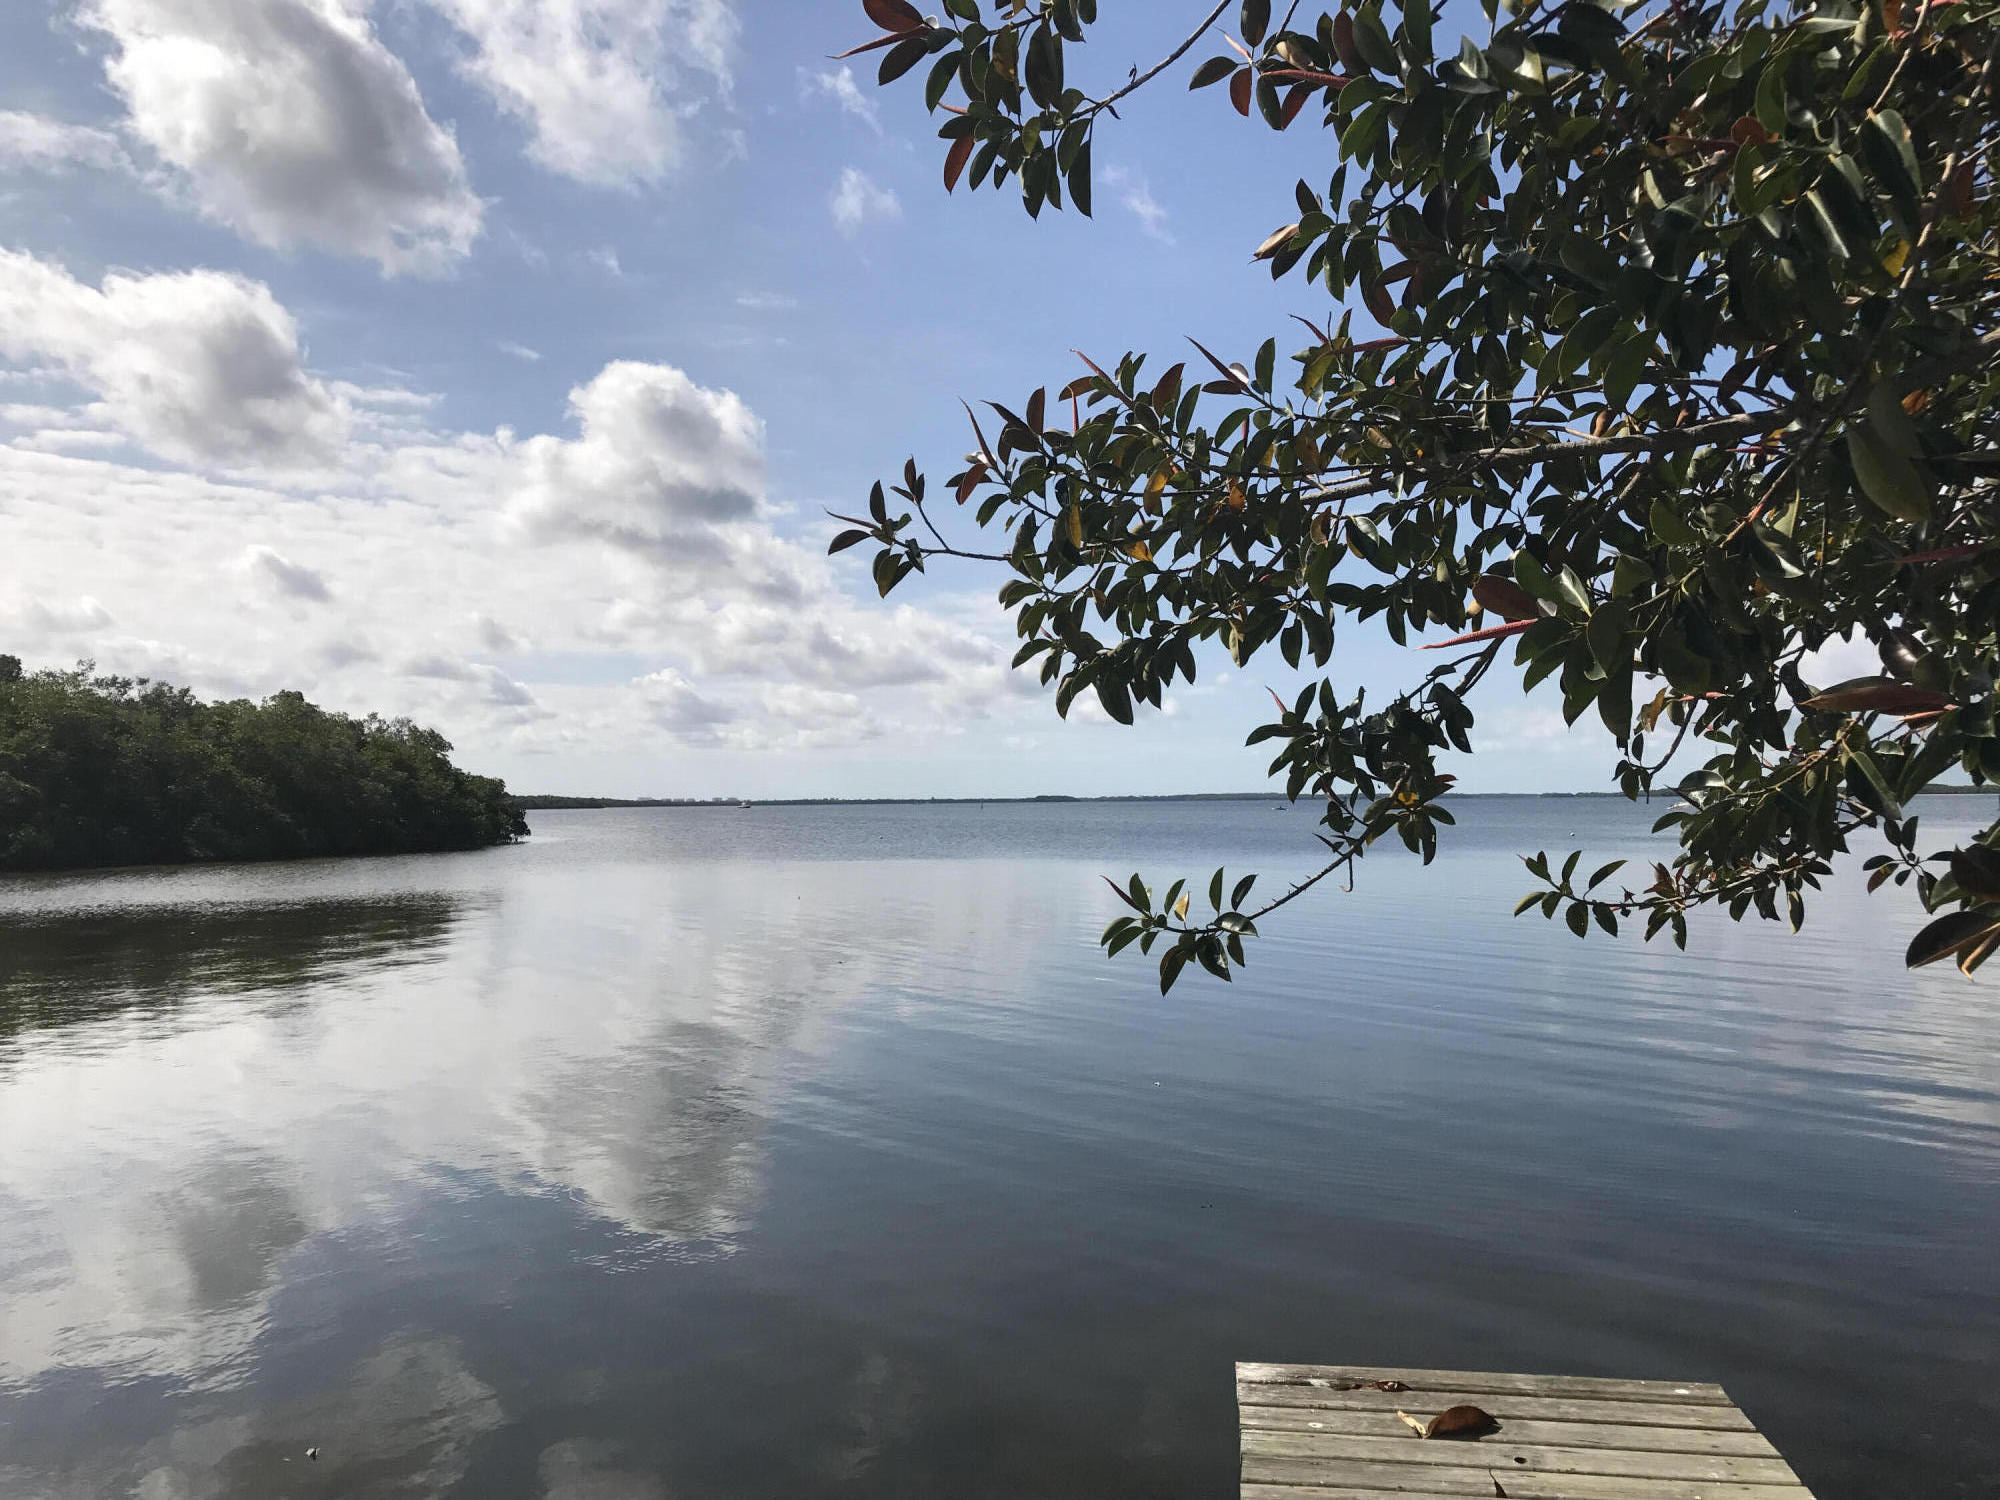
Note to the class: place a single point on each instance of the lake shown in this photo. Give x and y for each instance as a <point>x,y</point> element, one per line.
<point>818,1151</point>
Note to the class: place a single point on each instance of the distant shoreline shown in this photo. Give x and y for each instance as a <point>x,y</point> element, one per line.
<point>590,804</point>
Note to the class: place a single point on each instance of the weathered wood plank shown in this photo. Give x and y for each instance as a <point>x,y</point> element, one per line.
<point>1561,1434</point>
<point>1491,1382</point>
<point>1504,1457</point>
<point>1327,1492</point>
<point>1418,1479</point>
<point>1501,1404</point>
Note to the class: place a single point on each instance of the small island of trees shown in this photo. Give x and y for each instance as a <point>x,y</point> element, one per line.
<point>104,770</point>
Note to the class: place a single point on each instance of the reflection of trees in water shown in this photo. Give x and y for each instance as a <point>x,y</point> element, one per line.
<point>70,968</point>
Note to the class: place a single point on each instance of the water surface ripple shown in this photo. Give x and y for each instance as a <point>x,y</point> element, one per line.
<point>816,1151</point>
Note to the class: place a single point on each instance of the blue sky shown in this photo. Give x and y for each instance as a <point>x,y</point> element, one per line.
<point>495,362</point>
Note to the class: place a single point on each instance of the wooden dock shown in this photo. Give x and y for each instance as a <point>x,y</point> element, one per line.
<point>1331,1432</point>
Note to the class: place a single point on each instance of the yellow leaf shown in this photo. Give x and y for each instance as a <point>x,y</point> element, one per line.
<point>1075,527</point>
<point>1181,908</point>
<point>1139,552</point>
<point>1237,499</point>
<point>1894,256</point>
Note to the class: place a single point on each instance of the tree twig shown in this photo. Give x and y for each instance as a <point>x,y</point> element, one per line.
<point>1165,63</point>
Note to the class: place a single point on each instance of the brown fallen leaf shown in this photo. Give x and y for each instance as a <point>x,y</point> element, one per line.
<point>1453,1422</point>
<point>1498,1488</point>
<point>1460,1422</point>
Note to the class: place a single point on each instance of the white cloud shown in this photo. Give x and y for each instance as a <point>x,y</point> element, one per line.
<point>858,198</point>
<point>1839,659</point>
<point>33,141</point>
<point>284,577</point>
<point>597,82</point>
<point>199,366</point>
<point>628,573</point>
<point>766,301</point>
<point>841,88</point>
<point>661,461</point>
<point>295,125</point>
<point>520,351</point>
<point>1136,195</point>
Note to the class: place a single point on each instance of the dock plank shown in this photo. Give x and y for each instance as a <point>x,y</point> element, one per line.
<point>1679,1391</point>
<point>1502,1405</point>
<point>1327,1432</point>
<point>1748,1443</point>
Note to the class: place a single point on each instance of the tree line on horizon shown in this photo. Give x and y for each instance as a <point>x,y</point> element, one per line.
<point>99,770</point>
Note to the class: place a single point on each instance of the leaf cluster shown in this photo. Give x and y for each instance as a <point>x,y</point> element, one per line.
<point>1653,350</point>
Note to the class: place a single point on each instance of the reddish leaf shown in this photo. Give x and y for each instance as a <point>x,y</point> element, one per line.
<point>881,41</point>
<point>1491,633</point>
<point>893,15</point>
<point>1505,598</point>
<point>1239,91</point>
<point>1294,102</point>
<point>955,160</point>
<point>1376,296</point>
<point>1867,695</point>
<point>1944,554</point>
<point>1233,377</point>
<point>974,477</point>
<point>1344,47</point>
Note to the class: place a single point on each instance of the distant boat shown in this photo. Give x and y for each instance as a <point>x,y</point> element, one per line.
<point>743,804</point>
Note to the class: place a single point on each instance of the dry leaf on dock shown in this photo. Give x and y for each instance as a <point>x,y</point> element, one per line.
<point>1453,1422</point>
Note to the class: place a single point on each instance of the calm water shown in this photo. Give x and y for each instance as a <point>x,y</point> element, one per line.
<point>800,1152</point>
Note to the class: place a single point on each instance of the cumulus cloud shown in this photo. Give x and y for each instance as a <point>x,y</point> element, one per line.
<point>629,573</point>
<point>284,577</point>
<point>660,461</point>
<point>199,366</point>
<point>858,199</point>
<point>294,125</point>
<point>596,82</point>
<point>34,141</point>
<point>841,88</point>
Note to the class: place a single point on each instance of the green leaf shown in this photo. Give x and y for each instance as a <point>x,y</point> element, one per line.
<point>1885,144</point>
<point>1887,478</point>
<point>1606,634</point>
<point>845,540</point>
<point>1872,780</point>
<point>900,58</point>
<point>1950,935</point>
<point>1373,42</point>
<point>1213,71</point>
<point>1533,577</point>
<point>1976,868</point>
<point>1117,700</point>
<point>1578,917</point>
<point>1042,69</point>
<point>1667,525</point>
<point>1256,18</point>
<point>1079,180</point>
<point>1570,589</point>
